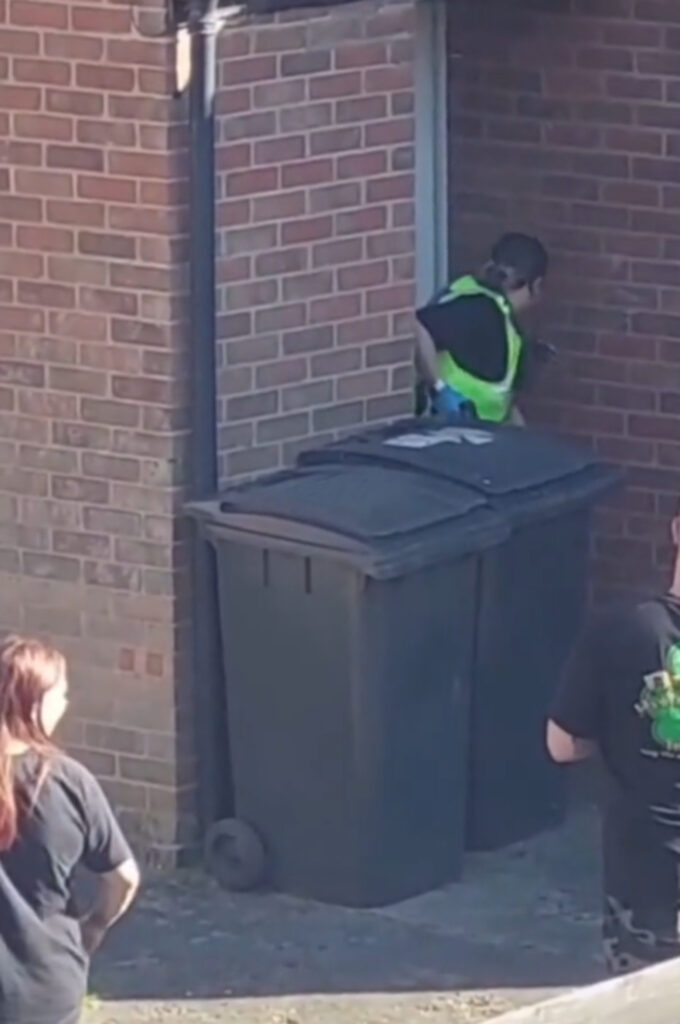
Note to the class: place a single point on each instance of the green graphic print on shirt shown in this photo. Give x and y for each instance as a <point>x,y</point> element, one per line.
<point>660,701</point>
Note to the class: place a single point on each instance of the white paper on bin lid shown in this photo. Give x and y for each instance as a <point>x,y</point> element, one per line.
<point>448,435</point>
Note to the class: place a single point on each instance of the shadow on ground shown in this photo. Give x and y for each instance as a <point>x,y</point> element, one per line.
<point>523,922</point>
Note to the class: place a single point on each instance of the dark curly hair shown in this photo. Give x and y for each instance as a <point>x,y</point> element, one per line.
<point>517,261</point>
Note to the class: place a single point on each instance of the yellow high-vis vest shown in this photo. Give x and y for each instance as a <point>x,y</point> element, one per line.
<point>492,399</point>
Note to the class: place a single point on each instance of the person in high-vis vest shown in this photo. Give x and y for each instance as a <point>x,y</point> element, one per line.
<point>472,352</point>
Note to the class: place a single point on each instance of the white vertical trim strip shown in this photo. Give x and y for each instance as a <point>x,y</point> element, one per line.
<point>431,140</point>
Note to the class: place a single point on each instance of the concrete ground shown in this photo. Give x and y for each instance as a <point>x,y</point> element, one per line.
<point>521,926</point>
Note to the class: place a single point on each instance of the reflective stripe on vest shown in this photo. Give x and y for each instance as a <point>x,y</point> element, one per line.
<point>492,399</point>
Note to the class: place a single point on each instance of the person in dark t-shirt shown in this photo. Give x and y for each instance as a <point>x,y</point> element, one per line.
<point>619,699</point>
<point>53,818</point>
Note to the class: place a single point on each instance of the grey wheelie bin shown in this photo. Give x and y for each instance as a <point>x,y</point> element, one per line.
<point>347,600</point>
<point>532,596</point>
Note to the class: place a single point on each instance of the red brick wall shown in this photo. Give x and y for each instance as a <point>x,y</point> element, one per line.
<point>565,122</point>
<point>315,174</point>
<point>91,413</point>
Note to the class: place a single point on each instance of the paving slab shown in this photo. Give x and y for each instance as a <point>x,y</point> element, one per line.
<point>522,925</point>
<point>651,996</point>
<point>420,1009</point>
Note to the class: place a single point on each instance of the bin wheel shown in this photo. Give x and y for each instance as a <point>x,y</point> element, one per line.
<point>234,855</point>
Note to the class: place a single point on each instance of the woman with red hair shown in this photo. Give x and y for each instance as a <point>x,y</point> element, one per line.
<point>54,818</point>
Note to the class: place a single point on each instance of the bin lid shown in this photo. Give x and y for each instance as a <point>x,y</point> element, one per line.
<point>524,472</point>
<point>383,519</point>
<point>369,503</point>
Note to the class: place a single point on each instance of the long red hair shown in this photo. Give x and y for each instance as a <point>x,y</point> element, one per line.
<point>28,669</point>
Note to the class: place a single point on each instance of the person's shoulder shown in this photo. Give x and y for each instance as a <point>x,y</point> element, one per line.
<point>480,300</point>
<point>651,610</point>
<point>639,612</point>
<point>71,773</point>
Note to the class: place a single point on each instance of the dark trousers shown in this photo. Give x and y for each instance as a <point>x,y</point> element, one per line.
<point>641,890</point>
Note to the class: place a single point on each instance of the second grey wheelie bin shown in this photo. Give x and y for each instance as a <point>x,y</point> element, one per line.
<point>347,598</point>
<point>531,599</point>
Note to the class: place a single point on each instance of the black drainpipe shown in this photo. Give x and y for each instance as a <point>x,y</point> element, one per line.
<point>207,679</point>
<point>205,18</point>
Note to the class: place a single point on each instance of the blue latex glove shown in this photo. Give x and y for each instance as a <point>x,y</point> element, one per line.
<point>448,402</point>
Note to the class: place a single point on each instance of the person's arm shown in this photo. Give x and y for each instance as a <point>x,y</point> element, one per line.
<point>575,717</point>
<point>428,361</point>
<point>565,748</point>
<point>444,399</point>
<point>523,373</point>
<point>106,855</point>
<point>534,356</point>
<point>115,892</point>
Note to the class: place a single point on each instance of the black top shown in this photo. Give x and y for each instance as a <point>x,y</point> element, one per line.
<point>622,689</point>
<point>473,330</point>
<point>43,968</point>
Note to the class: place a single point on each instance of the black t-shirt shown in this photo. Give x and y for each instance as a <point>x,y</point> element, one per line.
<point>621,689</point>
<point>43,967</point>
<point>473,330</point>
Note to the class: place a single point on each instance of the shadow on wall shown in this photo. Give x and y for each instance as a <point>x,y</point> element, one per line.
<point>559,126</point>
